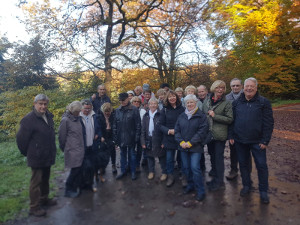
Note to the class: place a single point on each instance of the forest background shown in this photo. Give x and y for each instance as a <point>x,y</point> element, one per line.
<point>77,45</point>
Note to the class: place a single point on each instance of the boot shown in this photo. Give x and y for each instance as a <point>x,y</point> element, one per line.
<point>37,211</point>
<point>114,169</point>
<point>232,175</point>
<point>170,180</point>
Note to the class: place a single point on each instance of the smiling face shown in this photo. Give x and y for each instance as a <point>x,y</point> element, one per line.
<point>219,91</point>
<point>190,105</point>
<point>202,92</point>
<point>236,86</point>
<point>172,99</point>
<point>86,109</point>
<point>153,106</point>
<point>124,102</point>
<point>250,89</point>
<point>41,106</point>
<point>147,95</point>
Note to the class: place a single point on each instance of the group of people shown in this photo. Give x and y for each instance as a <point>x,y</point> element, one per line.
<point>173,126</point>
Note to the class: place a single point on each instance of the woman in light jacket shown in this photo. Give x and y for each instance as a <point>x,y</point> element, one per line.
<point>71,141</point>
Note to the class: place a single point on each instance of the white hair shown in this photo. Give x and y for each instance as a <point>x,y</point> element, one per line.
<point>252,79</point>
<point>75,106</point>
<point>41,97</point>
<point>153,100</point>
<point>190,97</point>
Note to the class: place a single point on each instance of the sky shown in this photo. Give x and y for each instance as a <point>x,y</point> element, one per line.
<point>9,23</point>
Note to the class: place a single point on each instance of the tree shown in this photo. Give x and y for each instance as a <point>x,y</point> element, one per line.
<point>26,66</point>
<point>90,29</point>
<point>258,38</point>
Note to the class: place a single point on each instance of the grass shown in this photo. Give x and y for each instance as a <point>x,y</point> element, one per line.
<point>278,102</point>
<point>15,177</point>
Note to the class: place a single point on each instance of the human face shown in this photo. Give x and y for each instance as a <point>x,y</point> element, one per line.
<point>107,113</point>
<point>41,106</point>
<point>202,93</point>
<point>124,102</point>
<point>219,91</point>
<point>161,97</point>
<point>147,95</point>
<point>153,106</point>
<point>179,93</point>
<point>190,105</point>
<point>250,89</point>
<point>101,90</point>
<point>138,90</point>
<point>190,91</point>
<point>86,109</point>
<point>172,99</point>
<point>236,86</point>
<point>130,96</point>
<point>137,103</point>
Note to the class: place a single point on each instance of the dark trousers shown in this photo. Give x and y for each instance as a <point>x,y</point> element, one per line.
<point>139,152</point>
<point>131,160</point>
<point>202,162</point>
<point>39,185</point>
<point>74,179</point>
<point>216,152</point>
<point>234,159</point>
<point>162,162</point>
<point>260,159</point>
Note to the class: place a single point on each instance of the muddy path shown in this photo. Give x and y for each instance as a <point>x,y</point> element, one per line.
<point>127,202</point>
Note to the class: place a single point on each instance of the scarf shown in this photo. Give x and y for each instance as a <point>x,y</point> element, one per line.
<point>190,113</point>
<point>151,122</point>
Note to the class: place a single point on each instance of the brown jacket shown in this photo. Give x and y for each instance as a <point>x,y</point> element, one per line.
<point>71,140</point>
<point>36,139</point>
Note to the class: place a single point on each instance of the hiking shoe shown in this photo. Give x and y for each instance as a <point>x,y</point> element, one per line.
<point>232,175</point>
<point>184,182</point>
<point>114,169</point>
<point>200,197</point>
<point>245,191</point>
<point>188,190</point>
<point>163,177</point>
<point>38,212</point>
<point>150,176</point>
<point>264,198</point>
<point>170,180</point>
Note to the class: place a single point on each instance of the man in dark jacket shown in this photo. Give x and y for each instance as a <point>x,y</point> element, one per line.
<point>126,132</point>
<point>99,98</point>
<point>36,140</point>
<point>251,131</point>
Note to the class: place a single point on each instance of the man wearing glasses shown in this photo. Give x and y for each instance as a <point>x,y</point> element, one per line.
<point>236,90</point>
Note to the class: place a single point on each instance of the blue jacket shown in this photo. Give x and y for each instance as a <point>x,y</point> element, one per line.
<point>167,120</point>
<point>98,102</point>
<point>193,130</point>
<point>253,120</point>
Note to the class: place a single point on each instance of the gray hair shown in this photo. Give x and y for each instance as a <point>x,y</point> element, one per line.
<point>190,87</point>
<point>200,86</point>
<point>101,85</point>
<point>41,97</point>
<point>190,97</point>
<point>234,79</point>
<point>86,102</point>
<point>179,89</point>
<point>153,100</point>
<point>75,106</point>
<point>252,79</point>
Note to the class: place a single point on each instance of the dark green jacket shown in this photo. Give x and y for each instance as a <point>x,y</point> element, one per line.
<point>222,119</point>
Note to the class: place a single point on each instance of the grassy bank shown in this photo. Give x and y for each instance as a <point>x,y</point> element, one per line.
<point>277,102</point>
<point>15,177</point>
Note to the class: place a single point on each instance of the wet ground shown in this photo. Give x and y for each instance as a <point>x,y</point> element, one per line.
<point>127,202</point>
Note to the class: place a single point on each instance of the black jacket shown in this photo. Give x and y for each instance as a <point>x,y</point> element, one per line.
<point>167,120</point>
<point>106,134</point>
<point>98,102</point>
<point>153,144</point>
<point>193,130</point>
<point>36,139</point>
<point>253,120</point>
<point>127,126</point>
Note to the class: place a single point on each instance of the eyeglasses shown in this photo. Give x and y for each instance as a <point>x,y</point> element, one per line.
<point>136,101</point>
<point>87,109</point>
<point>235,85</point>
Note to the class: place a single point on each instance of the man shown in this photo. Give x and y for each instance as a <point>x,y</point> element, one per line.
<point>36,140</point>
<point>126,132</point>
<point>236,90</point>
<point>251,131</point>
<point>99,98</point>
<point>165,86</point>
<point>202,96</point>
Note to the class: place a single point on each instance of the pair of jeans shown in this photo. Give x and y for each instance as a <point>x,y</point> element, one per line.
<point>192,170</point>
<point>74,179</point>
<point>216,151</point>
<point>39,185</point>
<point>260,159</point>
<point>162,162</point>
<point>170,156</point>
<point>131,159</point>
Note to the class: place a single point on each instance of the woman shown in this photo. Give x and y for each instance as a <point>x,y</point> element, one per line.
<point>92,137</point>
<point>168,118</point>
<point>151,139</point>
<point>190,132</point>
<point>179,92</point>
<point>106,118</point>
<point>192,90</point>
<point>161,95</point>
<point>71,141</point>
<point>137,102</point>
<point>219,113</point>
